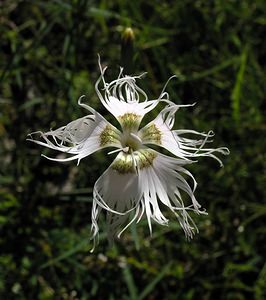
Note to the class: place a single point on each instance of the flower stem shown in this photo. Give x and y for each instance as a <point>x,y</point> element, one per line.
<point>127,50</point>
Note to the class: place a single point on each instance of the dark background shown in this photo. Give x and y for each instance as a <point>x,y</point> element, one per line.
<point>48,58</point>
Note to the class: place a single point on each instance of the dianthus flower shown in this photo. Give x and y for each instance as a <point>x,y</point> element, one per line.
<point>140,180</point>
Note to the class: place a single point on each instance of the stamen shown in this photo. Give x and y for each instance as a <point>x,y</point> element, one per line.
<point>116,150</point>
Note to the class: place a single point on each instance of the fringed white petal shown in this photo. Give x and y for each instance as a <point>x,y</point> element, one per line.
<point>81,137</point>
<point>158,180</point>
<point>159,132</point>
<point>123,96</point>
<point>193,148</point>
<point>118,194</point>
<point>163,182</point>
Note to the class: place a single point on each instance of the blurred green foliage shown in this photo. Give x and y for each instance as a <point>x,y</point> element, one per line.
<point>48,59</point>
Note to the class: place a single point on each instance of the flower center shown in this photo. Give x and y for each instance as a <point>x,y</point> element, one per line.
<point>131,142</point>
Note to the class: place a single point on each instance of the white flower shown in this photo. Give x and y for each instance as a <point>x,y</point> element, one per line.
<point>140,180</point>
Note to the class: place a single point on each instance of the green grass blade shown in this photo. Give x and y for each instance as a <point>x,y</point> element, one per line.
<point>236,94</point>
<point>149,288</point>
<point>67,254</point>
<point>132,288</point>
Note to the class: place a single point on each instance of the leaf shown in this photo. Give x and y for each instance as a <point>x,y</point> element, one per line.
<point>236,94</point>
<point>132,288</point>
<point>149,288</point>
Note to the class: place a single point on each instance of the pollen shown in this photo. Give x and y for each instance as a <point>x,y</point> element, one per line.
<point>146,158</point>
<point>152,134</point>
<point>130,121</point>
<point>124,163</point>
<point>107,136</point>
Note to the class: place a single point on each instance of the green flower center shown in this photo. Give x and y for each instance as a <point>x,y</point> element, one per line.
<point>133,156</point>
<point>131,142</point>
